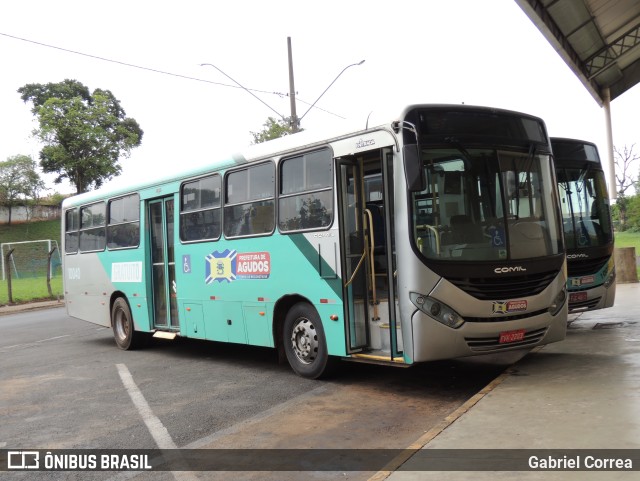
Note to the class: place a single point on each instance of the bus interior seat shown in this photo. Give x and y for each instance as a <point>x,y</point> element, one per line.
<point>423,218</point>
<point>525,240</point>
<point>592,229</point>
<point>464,231</point>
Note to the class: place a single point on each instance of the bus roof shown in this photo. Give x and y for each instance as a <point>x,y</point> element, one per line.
<point>565,149</point>
<point>274,148</point>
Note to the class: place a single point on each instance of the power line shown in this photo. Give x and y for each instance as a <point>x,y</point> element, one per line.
<point>149,69</point>
<point>244,88</point>
<point>127,64</point>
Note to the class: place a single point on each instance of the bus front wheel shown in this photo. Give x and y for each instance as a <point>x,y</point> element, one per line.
<point>122,323</point>
<point>304,342</point>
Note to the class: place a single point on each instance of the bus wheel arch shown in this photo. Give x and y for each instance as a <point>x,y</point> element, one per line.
<point>303,340</point>
<point>280,310</point>
<point>124,333</point>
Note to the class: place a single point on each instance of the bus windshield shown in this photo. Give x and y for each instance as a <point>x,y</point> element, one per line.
<point>585,207</point>
<point>484,204</point>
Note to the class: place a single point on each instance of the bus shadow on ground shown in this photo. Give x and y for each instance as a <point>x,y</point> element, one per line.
<point>453,376</point>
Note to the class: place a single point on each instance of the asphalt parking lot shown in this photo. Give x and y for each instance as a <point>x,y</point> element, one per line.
<point>65,385</point>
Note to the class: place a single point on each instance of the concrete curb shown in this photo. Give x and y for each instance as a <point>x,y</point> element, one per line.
<point>29,306</point>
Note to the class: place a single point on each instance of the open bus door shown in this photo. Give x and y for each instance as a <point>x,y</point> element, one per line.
<point>367,254</point>
<point>161,259</point>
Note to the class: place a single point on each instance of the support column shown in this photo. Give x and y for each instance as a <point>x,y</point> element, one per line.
<point>606,98</point>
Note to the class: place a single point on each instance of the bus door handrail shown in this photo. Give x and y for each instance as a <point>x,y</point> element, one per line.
<point>368,251</point>
<point>372,272</point>
<point>435,231</point>
<point>356,269</point>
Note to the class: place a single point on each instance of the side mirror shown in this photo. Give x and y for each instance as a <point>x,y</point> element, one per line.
<point>416,181</point>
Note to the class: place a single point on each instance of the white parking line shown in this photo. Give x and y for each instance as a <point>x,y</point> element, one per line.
<point>206,441</point>
<point>14,346</point>
<point>159,433</point>
<point>52,338</point>
<point>154,425</point>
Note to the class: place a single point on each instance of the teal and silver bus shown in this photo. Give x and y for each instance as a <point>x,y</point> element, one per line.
<point>435,235</point>
<point>588,230</point>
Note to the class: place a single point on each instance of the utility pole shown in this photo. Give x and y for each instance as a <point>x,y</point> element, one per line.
<point>294,120</point>
<point>292,91</point>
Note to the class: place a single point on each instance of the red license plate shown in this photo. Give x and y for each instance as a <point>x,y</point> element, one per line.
<point>577,296</point>
<point>512,336</point>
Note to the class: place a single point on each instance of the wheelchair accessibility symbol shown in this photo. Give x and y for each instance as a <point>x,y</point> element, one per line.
<point>497,237</point>
<point>186,264</point>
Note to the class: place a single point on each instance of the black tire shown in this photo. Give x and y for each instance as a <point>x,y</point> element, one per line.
<point>304,342</point>
<point>125,335</point>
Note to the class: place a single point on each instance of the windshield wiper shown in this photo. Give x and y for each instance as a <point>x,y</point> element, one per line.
<point>527,175</point>
<point>533,150</point>
<point>458,145</point>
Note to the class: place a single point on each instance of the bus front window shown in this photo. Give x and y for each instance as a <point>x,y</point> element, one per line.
<point>485,204</point>
<point>585,207</point>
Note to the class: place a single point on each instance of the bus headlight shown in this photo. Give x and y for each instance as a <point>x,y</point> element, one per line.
<point>436,310</point>
<point>558,302</point>
<point>611,278</point>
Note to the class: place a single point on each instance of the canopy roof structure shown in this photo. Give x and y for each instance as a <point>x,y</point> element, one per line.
<point>598,39</point>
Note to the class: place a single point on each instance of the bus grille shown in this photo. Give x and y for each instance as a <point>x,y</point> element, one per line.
<point>580,305</point>
<point>586,267</point>
<point>503,318</point>
<point>512,287</point>
<point>492,344</point>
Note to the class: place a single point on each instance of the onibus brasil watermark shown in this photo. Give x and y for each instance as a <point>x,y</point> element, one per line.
<point>35,460</point>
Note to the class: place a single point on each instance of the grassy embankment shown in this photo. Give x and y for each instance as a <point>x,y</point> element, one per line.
<point>31,288</point>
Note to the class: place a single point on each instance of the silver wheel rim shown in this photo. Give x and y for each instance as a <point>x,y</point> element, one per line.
<point>121,325</point>
<point>304,341</point>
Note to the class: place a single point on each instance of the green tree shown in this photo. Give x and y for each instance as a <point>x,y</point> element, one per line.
<point>55,199</point>
<point>633,213</point>
<point>625,179</point>
<point>273,129</point>
<point>84,134</point>
<point>19,182</point>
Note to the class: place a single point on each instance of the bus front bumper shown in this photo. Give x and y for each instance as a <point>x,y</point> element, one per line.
<point>433,341</point>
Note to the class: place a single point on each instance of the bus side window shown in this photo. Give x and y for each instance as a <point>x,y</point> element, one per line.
<point>92,227</point>
<point>200,209</point>
<point>71,226</point>
<point>305,199</point>
<point>123,229</point>
<point>249,207</point>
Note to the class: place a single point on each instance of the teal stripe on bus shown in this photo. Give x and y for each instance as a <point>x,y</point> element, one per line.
<point>312,256</point>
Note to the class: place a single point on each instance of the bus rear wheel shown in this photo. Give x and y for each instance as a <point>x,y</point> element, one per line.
<point>125,335</point>
<point>304,342</point>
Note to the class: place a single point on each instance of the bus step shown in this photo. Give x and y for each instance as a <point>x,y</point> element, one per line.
<point>165,335</point>
<point>377,359</point>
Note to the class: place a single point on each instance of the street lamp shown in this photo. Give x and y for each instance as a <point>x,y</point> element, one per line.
<point>295,121</point>
<point>325,90</point>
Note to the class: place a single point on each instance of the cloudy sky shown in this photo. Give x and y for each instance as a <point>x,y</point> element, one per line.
<point>434,51</point>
